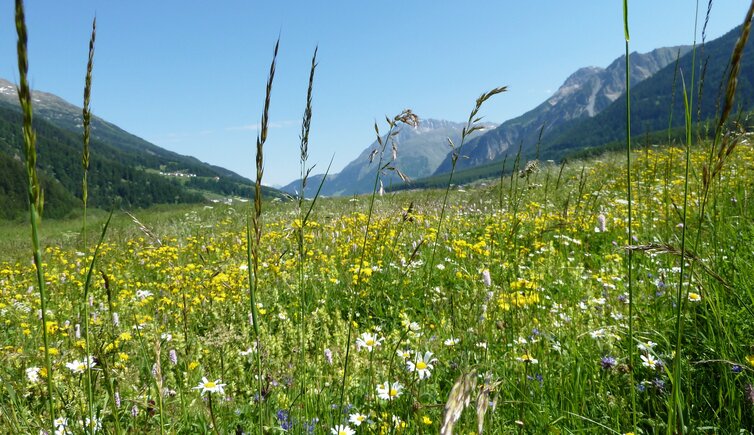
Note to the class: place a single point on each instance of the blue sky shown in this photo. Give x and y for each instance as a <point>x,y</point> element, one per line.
<point>189,75</point>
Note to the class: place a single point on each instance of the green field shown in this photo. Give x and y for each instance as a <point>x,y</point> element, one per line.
<point>608,295</point>
<point>541,347</point>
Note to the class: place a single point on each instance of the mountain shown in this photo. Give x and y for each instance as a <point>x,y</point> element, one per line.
<point>122,166</point>
<point>653,99</point>
<point>420,150</point>
<point>586,93</point>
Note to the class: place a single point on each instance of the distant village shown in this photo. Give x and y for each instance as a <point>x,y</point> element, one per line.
<point>180,174</point>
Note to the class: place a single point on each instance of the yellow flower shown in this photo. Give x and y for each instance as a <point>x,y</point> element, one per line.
<point>750,359</point>
<point>426,420</point>
<point>192,365</point>
<point>694,297</point>
<point>52,327</point>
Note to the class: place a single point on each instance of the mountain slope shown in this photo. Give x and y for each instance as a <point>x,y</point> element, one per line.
<point>123,167</point>
<point>652,100</point>
<point>420,151</point>
<point>67,116</point>
<point>584,94</point>
<point>59,158</point>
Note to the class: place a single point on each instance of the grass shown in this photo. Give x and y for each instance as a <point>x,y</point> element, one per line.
<point>518,306</point>
<point>556,294</point>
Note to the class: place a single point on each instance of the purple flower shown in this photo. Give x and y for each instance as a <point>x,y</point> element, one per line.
<point>659,384</point>
<point>311,425</point>
<point>607,362</point>
<point>284,419</point>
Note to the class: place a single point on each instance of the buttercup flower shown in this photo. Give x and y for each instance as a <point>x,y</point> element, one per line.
<point>527,358</point>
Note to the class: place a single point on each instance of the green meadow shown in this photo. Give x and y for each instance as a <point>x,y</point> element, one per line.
<point>609,295</point>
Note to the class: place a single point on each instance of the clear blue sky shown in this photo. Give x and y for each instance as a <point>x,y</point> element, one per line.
<point>189,75</point>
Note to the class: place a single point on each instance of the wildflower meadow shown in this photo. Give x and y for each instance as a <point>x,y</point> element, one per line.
<point>604,295</point>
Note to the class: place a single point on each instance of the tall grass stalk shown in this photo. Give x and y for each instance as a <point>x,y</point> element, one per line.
<point>252,249</point>
<point>631,351</point>
<point>87,285</point>
<point>303,219</point>
<point>472,125</point>
<point>36,197</point>
<point>675,414</point>
<point>305,128</point>
<point>87,117</point>
<point>405,117</point>
<point>722,146</point>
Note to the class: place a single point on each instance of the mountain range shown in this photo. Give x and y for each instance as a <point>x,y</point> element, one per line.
<point>584,94</point>
<point>420,150</point>
<point>657,104</point>
<point>656,110</point>
<point>423,150</point>
<point>585,115</point>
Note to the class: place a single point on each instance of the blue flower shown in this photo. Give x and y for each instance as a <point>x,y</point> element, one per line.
<point>608,362</point>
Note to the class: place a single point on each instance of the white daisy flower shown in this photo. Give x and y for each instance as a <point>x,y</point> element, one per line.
<point>405,354</point>
<point>342,429</point>
<point>357,418</point>
<point>451,342</point>
<point>646,347</point>
<point>422,365</point>
<point>650,361</point>
<point>370,341</point>
<point>385,391</point>
<point>210,386</point>
<point>78,367</point>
